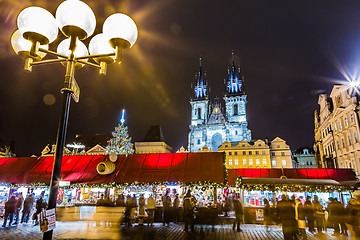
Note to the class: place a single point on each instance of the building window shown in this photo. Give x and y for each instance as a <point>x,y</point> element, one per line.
<point>338,144</point>
<point>283,162</point>
<point>198,141</point>
<point>230,153</point>
<point>263,152</point>
<point>346,122</point>
<point>340,127</point>
<point>278,146</point>
<point>273,163</point>
<point>257,161</point>
<point>244,153</point>
<point>264,162</point>
<point>235,153</point>
<point>199,113</point>
<point>349,138</point>
<point>235,109</point>
<point>356,137</point>
<point>250,152</point>
<point>282,153</point>
<point>230,161</point>
<point>236,132</point>
<point>273,154</point>
<point>352,117</point>
<point>244,162</point>
<point>236,161</point>
<point>335,128</point>
<point>343,142</point>
<point>250,162</point>
<point>256,152</point>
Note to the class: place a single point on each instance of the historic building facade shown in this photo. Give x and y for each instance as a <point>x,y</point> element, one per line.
<point>257,154</point>
<point>304,158</point>
<point>337,129</point>
<point>209,125</point>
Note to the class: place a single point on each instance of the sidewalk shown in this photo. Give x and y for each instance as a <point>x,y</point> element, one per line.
<point>89,230</point>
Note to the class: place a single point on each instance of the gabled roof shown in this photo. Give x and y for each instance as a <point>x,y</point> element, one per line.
<point>154,134</point>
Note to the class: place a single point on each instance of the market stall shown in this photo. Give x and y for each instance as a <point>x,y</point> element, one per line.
<point>258,184</point>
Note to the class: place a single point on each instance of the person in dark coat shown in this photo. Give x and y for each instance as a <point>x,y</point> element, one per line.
<point>319,215</point>
<point>353,215</point>
<point>39,207</point>
<point>28,204</point>
<point>226,206</point>
<point>333,218</point>
<point>189,205</point>
<point>101,201</point>
<point>10,207</point>
<point>267,214</point>
<point>176,204</point>
<point>19,205</point>
<point>286,211</point>
<point>300,217</point>
<point>238,215</point>
<point>310,214</point>
<point>342,217</point>
<point>166,200</point>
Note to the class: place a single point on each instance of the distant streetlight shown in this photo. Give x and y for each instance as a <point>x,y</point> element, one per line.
<point>37,28</point>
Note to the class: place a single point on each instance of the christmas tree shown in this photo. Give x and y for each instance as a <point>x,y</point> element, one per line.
<point>121,142</point>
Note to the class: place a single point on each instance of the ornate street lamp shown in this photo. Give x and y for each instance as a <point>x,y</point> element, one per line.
<point>37,28</point>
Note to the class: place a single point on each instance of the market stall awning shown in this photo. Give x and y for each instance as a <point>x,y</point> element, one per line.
<point>338,175</point>
<point>74,169</point>
<point>11,169</point>
<point>172,167</point>
<point>143,168</point>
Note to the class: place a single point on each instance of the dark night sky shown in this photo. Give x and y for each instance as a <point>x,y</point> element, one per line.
<point>286,49</point>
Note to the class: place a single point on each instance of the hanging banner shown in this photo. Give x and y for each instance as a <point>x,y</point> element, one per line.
<point>47,220</point>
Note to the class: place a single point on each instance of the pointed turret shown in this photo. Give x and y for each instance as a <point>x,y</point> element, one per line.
<point>235,81</point>
<point>200,88</point>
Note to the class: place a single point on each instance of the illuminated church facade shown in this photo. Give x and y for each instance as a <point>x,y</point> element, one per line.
<point>210,126</point>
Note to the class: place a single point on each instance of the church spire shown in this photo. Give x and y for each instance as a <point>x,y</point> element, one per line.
<point>234,82</point>
<point>201,84</point>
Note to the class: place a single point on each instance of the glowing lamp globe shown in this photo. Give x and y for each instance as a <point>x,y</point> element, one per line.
<point>22,47</point>
<point>121,30</point>
<point>80,50</point>
<point>99,44</point>
<point>37,25</point>
<point>75,19</point>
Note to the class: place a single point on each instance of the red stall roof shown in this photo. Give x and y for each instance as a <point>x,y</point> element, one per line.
<point>182,167</point>
<point>339,175</point>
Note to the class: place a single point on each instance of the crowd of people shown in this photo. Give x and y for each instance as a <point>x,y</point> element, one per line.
<point>17,205</point>
<point>295,216</point>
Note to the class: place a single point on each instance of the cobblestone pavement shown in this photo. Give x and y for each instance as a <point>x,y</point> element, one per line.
<point>102,230</point>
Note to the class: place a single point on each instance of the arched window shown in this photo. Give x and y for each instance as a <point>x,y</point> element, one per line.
<point>235,109</point>
<point>199,113</point>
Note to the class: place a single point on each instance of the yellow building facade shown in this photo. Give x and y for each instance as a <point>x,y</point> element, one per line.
<point>257,154</point>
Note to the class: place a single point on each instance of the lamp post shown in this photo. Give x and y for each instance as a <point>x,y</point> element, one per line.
<point>37,28</point>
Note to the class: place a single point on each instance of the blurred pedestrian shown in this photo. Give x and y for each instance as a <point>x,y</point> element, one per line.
<point>101,201</point>
<point>120,201</point>
<point>166,200</point>
<point>353,215</point>
<point>267,214</point>
<point>39,207</point>
<point>319,215</point>
<point>300,217</point>
<point>287,218</point>
<point>176,204</point>
<point>19,205</point>
<point>10,207</point>
<point>309,214</point>
<point>150,210</point>
<point>226,206</point>
<point>27,207</point>
<point>189,205</point>
<point>127,214</point>
<point>141,213</point>
<point>342,217</point>
<point>238,215</point>
<point>333,218</point>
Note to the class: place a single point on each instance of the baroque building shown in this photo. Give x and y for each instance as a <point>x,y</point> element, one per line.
<point>209,125</point>
<point>304,158</point>
<point>337,130</point>
<point>257,154</point>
